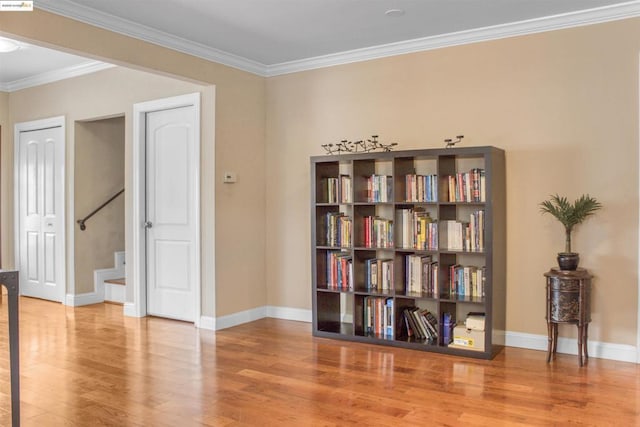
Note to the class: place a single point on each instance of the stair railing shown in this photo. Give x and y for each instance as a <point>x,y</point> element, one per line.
<point>82,221</point>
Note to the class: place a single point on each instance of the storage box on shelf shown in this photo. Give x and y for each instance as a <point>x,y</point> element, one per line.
<point>405,243</point>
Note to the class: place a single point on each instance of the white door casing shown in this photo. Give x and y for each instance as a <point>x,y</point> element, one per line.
<point>39,156</point>
<point>166,196</point>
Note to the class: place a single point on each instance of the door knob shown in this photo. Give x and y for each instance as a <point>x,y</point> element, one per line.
<point>148,224</point>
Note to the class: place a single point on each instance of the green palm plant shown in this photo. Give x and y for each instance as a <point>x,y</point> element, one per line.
<point>570,214</point>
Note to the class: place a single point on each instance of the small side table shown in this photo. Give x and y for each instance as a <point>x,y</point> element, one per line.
<point>568,301</point>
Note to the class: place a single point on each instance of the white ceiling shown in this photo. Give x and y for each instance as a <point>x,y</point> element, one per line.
<point>33,65</point>
<point>270,37</point>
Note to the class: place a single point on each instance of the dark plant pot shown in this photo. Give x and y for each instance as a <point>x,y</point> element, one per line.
<point>568,260</point>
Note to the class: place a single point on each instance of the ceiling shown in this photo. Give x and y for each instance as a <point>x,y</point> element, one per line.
<point>270,37</point>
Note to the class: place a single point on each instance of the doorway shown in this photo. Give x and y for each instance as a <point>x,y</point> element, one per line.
<point>39,165</point>
<point>166,211</point>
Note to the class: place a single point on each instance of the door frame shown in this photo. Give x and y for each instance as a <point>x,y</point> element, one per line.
<point>61,252</point>
<point>138,307</point>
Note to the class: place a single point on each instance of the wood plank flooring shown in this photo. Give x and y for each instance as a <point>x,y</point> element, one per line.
<point>91,366</point>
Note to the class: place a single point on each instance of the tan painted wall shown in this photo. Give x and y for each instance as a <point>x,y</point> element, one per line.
<point>99,174</point>
<point>103,94</point>
<point>564,106</point>
<point>239,120</point>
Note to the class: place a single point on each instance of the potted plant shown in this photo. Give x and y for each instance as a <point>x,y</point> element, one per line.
<point>570,215</point>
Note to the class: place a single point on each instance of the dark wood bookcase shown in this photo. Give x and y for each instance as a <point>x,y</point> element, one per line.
<point>341,312</point>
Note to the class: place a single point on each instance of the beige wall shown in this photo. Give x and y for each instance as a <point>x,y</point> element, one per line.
<point>564,106</point>
<point>99,174</point>
<point>239,121</point>
<point>107,93</point>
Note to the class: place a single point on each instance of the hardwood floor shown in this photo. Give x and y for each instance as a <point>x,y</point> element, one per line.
<point>90,366</point>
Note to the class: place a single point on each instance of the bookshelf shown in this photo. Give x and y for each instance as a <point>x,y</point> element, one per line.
<point>407,243</point>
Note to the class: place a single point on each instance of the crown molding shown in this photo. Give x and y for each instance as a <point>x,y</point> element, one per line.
<point>556,22</point>
<point>532,26</point>
<point>129,28</point>
<point>54,76</point>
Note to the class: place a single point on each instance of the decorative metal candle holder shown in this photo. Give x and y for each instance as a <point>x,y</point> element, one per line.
<point>361,146</point>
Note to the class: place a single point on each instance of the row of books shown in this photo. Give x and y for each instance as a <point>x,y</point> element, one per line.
<point>378,232</point>
<point>464,236</point>
<point>415,229</point>
<point>420,324</point>
<point>379,317</point>
<point>462,187</point>
<point>338,228</point>
<point>468,281</point>
<point>378,274</point>
<point>339,189</point>
<point>421,275</point>
<point>379,188</point>
<point>467,186</point>
<point>339,271</point>
<point>421,188</point>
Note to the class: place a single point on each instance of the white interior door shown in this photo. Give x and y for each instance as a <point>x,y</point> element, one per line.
<point>171,212</point>
<point>40,157</point>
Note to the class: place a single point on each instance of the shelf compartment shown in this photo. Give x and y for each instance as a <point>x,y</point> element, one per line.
<point>416,179</point>
<point>335,309</point>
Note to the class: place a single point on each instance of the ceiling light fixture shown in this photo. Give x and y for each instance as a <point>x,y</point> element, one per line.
<point>7,45</point>
<point>394,12</point>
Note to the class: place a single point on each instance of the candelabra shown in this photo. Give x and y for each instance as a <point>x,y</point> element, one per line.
<point>361,146</point>
<point>450,142</point>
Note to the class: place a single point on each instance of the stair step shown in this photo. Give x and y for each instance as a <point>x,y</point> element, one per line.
<point>121,281</point>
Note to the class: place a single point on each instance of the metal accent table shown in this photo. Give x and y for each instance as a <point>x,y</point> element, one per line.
<point>9,279</point>
<point>568,301</point>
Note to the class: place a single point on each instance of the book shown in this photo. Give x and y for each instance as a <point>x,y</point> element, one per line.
<point>448,323</point>
<point>467,186</point>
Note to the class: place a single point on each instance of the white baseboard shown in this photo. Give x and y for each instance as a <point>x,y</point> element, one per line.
<point>289,313</point>
<point>207,322</point>
<point>130,310</point>
<point>83,299</point>
<point>114,293</point>
<point>241,317</point>
<point>601,350</point>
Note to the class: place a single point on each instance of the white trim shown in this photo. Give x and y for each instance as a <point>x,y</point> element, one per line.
<point>601,350</point>
<point>133,29</point>
<point>52,122</point>
<point>241,317</point>
<point>111,292</point>
<point>531,26</point>
<point>130,310</point>
<point>55,75</point>
<point>208,323</point>
<point>139,176</point>
<point>555,22</point>
<point>289,313</point>
<point>70,187</point>
<point>83,299</point>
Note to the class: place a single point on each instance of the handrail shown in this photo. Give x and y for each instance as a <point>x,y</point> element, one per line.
<point>82,221</point>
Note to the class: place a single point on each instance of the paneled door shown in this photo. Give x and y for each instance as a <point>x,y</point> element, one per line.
<point>41,254</point>
<point>171,212</point>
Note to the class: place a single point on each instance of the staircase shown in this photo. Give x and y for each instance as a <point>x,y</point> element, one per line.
<point>112,280</point>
